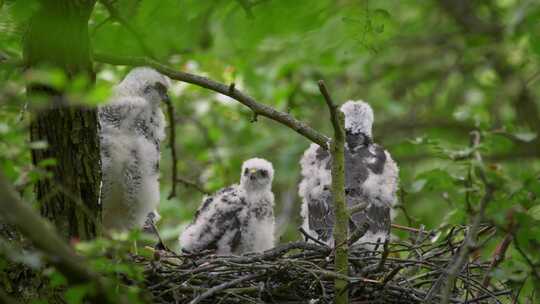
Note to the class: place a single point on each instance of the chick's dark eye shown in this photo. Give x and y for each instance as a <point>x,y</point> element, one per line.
<point>246,171</point>
<point>264,173</point>
<point>160,87</point>
<point>147,89</point>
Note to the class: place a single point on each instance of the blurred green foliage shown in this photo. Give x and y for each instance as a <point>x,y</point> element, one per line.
<point>429,73</point>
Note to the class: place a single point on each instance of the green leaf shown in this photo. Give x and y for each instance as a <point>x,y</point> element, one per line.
<point>57,279</point>
<point>76,294</point>
<point>534,212</point>
<point>23,10</point>
<point>435,179</point>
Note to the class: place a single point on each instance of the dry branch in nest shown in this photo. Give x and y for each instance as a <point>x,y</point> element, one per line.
<point>301,272</point>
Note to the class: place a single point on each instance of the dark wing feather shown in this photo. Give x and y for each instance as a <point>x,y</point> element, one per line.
<point>321,215</point>
<point>376,216</point>
<point>215,219</point>
<point>366,160</point>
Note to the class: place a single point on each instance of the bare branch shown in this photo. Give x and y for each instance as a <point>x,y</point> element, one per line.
<point>257,108</point>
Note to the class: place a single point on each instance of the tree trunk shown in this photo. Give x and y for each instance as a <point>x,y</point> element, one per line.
<point>58,37</point>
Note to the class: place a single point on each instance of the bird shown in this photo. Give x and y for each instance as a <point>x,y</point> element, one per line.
<point>236,219</point>
<point>131,128</point>
<point>371,178</point>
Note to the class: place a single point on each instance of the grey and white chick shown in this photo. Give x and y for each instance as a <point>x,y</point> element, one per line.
<point>132,126</point>
<point>371,177</point>
<point>236,219</point>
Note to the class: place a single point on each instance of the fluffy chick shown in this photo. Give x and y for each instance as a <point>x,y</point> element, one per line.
<point>236,219</point>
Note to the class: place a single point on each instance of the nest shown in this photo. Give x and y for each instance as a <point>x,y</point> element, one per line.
<point>302,272</point>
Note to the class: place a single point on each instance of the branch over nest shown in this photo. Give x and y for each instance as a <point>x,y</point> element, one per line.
<point>299,272</point>
<point>228,90</point>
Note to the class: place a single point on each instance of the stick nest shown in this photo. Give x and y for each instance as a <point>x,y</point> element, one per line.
<point>302,272</point>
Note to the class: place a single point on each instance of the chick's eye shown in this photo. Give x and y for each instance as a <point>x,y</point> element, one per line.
<point>246,171</point>
<point>160,87</point>
<point>264,173</point>
<point>147,89</point>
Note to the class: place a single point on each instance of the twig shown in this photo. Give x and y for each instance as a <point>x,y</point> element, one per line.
<point>410,229</point>
<point>172,146</point>
<point>498,257</point>
<point>384,256</point>
<point>309,237</point>
<point>248,101</point>
<point>210,292</point>
<point>192,184</point>
<point>207,138</point>
<point>401,206</point>
<point>533,267</point>
<point>391,275</point>
<point>499,293</point>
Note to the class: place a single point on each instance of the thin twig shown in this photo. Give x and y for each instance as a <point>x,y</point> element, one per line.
<point>410,229</point>
<point>309,237</point>
<point>172,146</point>
<point>210,292</point>
<point>192,184</point>
<point>498,257</point>
<point>531,264</point>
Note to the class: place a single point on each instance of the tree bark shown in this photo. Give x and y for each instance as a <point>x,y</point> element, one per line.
<point>58,37</point>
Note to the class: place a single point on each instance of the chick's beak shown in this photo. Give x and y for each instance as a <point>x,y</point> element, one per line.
<point>252,174</point>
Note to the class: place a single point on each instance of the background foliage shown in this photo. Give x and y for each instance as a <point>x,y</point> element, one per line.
<point>431,71</point>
